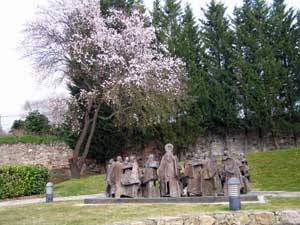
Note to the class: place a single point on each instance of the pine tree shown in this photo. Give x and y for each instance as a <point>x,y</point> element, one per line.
<point>126,5</point>
<point>256,67</point>
<point>166,20</point>
<point>157,21</point>
<point>217,57</point>
<point>282,28</point>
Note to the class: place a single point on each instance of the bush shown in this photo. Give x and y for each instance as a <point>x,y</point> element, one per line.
<point>21,180</point>
<point>37,123</point>
<point>18,124</point>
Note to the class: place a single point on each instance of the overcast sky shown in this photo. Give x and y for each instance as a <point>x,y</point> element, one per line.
<point>18,82</point>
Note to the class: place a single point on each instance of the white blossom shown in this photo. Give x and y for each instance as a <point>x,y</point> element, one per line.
<point>113,53</point>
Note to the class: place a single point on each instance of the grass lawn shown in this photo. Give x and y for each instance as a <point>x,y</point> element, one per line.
<point>83,186</point>
<point>29,139</point>
<point>71,213</point>
<point>275,170</point>
<point>271,171</point>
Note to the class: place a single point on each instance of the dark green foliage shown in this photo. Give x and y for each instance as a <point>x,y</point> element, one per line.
<point>36,123</point>
<point>217,56</point>
<point>265,66</point>
<point>18,124</point>
<point>126,5</point>
<point>21,180</point>
<point>244,73</point>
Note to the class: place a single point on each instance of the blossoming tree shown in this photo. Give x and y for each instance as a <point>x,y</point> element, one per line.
<point>115,59</point>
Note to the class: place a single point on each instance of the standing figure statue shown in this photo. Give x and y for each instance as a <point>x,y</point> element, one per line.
<point>168,173</point>
<point>115,178</point>
<point>244,169</point>
<point>109,184</point>
<point>230,169</point>
<point>211,183</point>
<point>131,178</point>
<point>150,186</point>
<point>192,171</point>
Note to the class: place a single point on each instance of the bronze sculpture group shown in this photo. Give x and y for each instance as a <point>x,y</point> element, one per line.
<point>201,176</point>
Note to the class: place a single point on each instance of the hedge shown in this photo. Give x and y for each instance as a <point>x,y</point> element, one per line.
<point>22,180</point>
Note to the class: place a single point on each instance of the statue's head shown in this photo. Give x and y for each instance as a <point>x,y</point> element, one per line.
<point>196,156</point>
<point>126,159</point>
<point>111,161</point>
<point>225,155</point>
<point>151,157</point>
<point>119,159</point>
<point>241,155</point>
<point>132,158</point>
<point>169,148</point>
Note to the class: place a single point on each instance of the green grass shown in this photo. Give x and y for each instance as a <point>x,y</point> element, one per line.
<point>70,213</point>
<point>83,186</point>
<point>29,139</point>
<point>275,170</point>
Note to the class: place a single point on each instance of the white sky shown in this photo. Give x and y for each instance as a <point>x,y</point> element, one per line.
<point>18,82</point>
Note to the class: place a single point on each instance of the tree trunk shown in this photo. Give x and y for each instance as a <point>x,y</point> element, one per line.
<point>225,143</point>
<point>246,141</point>
<point>75,162</point>
<point>295,137</point>
<point>75,170</point>
<point>275,143</point>
<point>260,135</point>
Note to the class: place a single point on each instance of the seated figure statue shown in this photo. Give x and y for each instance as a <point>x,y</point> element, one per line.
<point>169,174</point>
<point>130,179</point>
<point>230,169</point>
<point>192,171</point>
<point>150,186</point>
<point>211,183</point>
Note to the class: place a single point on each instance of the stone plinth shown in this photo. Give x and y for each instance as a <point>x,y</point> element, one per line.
<point>205,199</point>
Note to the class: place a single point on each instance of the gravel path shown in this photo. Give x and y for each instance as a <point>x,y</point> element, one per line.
<point>40,200</point>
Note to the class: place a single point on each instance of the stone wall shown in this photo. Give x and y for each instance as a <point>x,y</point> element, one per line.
<point>240,142</point>
<point>288,217</point>
<point>54,156</point>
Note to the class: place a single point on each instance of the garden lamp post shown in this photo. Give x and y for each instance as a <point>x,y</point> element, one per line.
<point>234,194</point>
<point>49,192</point>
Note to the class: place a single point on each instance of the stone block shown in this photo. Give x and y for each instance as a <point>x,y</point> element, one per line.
<point>242,218</point>
<point>170,221</point>
<point>192,220</point>
<point>290,217</point>
<point>264,218</point>
<point>226,219</point>
<point>207,220</point>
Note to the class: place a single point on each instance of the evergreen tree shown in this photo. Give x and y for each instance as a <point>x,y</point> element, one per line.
<point>217,58</point>
<point>285,36</point>
<point>157,21</point>
<point>180,32</point>
<point>256,67</point>
<point>126,5</point>
<point>166,21</point>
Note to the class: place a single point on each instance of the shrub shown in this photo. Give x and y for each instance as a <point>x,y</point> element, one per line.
<point>18,124</point>
<point>22,180</point>
<point>36,123</point>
